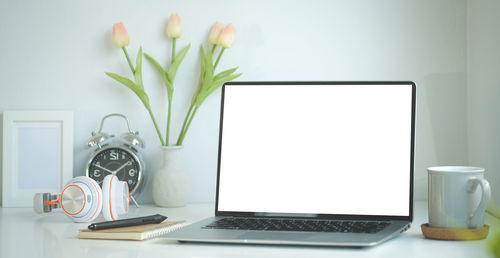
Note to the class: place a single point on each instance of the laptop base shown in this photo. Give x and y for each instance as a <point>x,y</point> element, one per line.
<point>196,233</point>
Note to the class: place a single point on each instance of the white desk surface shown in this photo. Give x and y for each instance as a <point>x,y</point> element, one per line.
<point>26,234</point>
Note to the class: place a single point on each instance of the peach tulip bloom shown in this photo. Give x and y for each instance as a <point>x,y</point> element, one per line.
<point>214,33</point>
<point>226,37</point>
<point>120,35</point>
<point>174,26</point>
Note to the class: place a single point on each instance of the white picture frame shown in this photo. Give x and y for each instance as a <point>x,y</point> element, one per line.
<point>37,154</point>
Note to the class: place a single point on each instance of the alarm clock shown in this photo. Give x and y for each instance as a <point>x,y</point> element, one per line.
<point>120,156</point>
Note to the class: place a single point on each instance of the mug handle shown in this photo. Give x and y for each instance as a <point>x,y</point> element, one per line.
<point>485,198</point>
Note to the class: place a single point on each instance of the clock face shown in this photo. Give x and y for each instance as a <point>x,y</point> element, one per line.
<point>116,161</point>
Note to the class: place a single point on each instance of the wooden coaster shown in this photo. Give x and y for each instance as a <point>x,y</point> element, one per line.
<point>462,234</point>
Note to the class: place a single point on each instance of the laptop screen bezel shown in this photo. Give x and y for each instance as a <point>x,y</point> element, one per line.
<point>319,216</point>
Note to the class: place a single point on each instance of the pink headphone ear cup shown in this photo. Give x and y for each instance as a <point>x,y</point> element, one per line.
<point>92,197</point>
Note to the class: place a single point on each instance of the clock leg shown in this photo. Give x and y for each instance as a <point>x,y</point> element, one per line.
<point>133,199</point>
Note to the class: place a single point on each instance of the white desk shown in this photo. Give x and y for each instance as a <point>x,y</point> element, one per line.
<point>26,234</point>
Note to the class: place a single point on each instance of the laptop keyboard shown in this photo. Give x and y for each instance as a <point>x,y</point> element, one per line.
<point>306,225</point>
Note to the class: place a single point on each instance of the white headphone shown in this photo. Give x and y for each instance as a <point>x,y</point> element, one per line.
<point>83,200</point>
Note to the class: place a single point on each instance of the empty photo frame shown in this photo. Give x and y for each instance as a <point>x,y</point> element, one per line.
<point>37,154</point>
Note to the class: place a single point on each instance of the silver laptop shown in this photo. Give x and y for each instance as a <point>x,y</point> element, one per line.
<point>312,163</point>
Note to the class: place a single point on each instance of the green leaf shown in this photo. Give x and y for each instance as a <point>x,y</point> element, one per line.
<point>208,83</point>
<point>196,92</point>
<point>213,86</point>
<point>172,70</point>
<point>218,83</point>
<point>130,84</point>
<point>209,75</point>
<point>201,97</point>
<point>160,70</point>
<point>206,75</point>
<point>144,98</point>
<point>203,65</point>
<point>200,80</point>
<point>224,73</point>
<point>138,69</point>
<point>202,58</point>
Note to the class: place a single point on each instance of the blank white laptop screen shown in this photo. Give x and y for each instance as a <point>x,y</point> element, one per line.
<point>316,149</point>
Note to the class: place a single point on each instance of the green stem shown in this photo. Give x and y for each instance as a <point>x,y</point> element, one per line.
<point>128,60</point>
<point>184,124</point>
<point>213,48</point>
<point>218,58</point>
<point>187,126</point>
<point>170,97</point>
<point>168,119</point>
<point>173,50</point>
<point>156,125</point>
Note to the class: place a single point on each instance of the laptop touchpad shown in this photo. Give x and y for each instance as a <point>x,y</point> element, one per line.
<point>275,236</point>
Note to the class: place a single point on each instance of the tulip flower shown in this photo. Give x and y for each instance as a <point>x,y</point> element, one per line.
<point>225,40</point>
<point>214,33</point>
<point>120,35</point>
<point>174,26</point>
<point>174,31</point>
<point>121,40</point>
<point>209,81</point>
<point>226,37</point>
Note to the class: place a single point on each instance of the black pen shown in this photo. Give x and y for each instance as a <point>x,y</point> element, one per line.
<point>153,219</point>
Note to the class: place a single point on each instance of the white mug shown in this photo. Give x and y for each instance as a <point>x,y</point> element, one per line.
<point>455,200</point>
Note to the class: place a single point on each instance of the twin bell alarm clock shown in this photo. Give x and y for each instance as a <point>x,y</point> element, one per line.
<point>119,156</point>
<point>115,172</point>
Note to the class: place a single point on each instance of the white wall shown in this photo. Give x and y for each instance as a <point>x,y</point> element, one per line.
<point>54,54</point>
<point>483,89</point>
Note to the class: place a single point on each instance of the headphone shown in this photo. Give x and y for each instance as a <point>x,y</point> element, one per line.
<point>82,199</point>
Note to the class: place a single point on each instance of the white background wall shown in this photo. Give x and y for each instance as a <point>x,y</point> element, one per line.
<point>55,53</point>
<point>483,89</point>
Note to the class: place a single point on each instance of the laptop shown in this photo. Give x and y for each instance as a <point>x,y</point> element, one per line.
<point>312,163</point>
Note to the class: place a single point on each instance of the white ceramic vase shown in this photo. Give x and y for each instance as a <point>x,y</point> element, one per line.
<point>170,184</point>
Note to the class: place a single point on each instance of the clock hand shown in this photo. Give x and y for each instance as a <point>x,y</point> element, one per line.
<point>121,167</point>
<point>103,168</point>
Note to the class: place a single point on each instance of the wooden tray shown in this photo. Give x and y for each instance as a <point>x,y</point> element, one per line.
<point>462,234</point>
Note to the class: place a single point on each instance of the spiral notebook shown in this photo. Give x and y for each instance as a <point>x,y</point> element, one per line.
<point>138,233</point>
